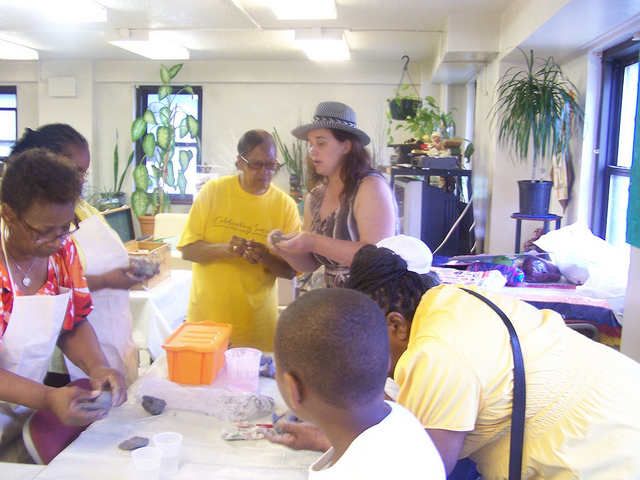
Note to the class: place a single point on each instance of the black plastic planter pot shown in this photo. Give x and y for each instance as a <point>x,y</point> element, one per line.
<point>400,109</point>
<point>534,197</point>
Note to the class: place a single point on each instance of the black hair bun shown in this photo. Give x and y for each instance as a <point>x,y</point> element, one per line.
<point>375,266</point>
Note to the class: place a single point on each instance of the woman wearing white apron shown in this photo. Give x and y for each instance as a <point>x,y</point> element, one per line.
<point>111,315</point>
<point>103,258</point>
<point>43,297</point>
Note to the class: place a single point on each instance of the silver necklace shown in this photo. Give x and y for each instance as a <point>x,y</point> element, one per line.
<point>26,281</point>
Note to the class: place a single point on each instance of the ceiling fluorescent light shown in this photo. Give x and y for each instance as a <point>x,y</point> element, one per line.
<point>13,51</point>
<point>303,9</point>
<point>323,44</point>
<point>70,11</point>
<point>151,45</point>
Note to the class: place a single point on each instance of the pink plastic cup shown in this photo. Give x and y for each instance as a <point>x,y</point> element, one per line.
<point>243,368</point>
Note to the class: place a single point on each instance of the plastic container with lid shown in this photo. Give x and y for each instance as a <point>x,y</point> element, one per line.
<point>195,351</point>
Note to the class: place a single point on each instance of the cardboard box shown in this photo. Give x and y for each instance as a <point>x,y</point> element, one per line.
<point>157,252</point>
<point>195,352</point>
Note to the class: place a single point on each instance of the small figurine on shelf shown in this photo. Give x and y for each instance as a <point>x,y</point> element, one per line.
<point>436,141</point>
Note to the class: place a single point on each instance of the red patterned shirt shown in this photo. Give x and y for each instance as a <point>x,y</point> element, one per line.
<point>64,270</point>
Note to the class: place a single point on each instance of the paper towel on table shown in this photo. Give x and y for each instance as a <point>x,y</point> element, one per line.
<point>231,407</point>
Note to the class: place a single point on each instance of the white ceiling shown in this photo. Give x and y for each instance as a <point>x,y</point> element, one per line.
<point>376,30</point>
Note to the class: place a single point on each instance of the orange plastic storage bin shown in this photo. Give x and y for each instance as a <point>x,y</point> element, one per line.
<point>195,351</point>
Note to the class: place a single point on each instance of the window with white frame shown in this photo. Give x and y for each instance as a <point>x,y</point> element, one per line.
<point>147,98</point>
<point>8,119</point>
<point>616,131</point>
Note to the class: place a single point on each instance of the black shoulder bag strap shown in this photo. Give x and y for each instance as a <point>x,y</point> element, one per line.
<point>519,393</point>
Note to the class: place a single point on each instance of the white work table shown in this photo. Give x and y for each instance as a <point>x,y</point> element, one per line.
<point>157,312</point>
<point>205,454</point>
<point>19,471</point>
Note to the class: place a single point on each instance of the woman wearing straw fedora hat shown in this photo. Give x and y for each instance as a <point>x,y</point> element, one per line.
<point>351,206</point>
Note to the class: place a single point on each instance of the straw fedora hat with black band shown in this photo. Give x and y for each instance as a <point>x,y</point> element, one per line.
<point>332,115</point>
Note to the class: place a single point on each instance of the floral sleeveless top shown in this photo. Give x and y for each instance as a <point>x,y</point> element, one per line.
<point>340,224</point>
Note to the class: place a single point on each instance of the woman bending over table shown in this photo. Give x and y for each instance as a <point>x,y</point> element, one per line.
<point>352,205</point>
<point>102,255</point>
<point>451,357</point>
<point>234,272</point>
<point>44,299</point>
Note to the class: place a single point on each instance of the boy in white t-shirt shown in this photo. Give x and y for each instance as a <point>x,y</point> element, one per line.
<point>331,353</point>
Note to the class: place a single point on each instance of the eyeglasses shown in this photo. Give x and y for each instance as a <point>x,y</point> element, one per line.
<point>253,165</point>
<point>43,238</point>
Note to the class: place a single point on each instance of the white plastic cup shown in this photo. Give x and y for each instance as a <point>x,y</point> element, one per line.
<point>146,461</point>
<point>169,443</point>
<point>243,369</point>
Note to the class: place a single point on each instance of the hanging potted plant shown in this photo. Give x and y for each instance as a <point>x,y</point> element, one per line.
<point>403,105</point>
<point>158,128</point>
<point>537,107</point>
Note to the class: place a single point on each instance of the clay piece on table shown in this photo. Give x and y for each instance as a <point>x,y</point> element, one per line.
<point>101,402</point>
<point>133,443</point>
<point>144,266</point>
<point>153,405</point>
<point>287,417</point>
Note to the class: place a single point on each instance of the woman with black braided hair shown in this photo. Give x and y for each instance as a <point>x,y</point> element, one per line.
<point>451,357</point>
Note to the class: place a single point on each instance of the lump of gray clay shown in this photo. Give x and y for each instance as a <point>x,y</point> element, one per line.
<point>101,402</point>
<point>153,405</point>
<point>133,443</point>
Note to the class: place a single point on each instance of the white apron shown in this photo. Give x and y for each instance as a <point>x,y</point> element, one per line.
<point>27,345</point>
<point>111,315</point>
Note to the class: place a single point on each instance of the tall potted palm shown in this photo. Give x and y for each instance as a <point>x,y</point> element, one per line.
<point>537,108</point>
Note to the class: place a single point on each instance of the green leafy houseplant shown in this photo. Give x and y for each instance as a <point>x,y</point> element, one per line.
<point>158,132</point>
<point>426,118</point>
<point>293,159</point>
<point>112,197</point>
<point>537,107</point>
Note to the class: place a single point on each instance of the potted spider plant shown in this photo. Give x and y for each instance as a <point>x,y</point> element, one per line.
<point>158,129</point>
<point>536,111</point>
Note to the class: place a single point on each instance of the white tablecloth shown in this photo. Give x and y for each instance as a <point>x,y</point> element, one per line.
<point>204,454</point>
<point>158,311</point>
<point>19,471</point>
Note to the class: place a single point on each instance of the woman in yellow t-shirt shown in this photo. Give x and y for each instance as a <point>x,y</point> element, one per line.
<point>451,357</point>
<point>234,272</point>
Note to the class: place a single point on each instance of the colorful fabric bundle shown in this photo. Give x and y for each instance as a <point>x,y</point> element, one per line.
<point>514,275</point>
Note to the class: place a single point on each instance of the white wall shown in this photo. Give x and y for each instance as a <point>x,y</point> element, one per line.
<point>237,96</point>
<point>630,342</point>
